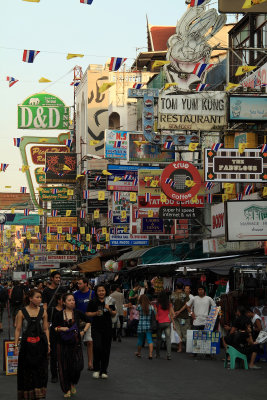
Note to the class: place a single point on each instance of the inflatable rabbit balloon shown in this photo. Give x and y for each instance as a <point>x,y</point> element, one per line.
<point>190,46</point>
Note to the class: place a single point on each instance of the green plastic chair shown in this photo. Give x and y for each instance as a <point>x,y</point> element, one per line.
<point>234,354</point>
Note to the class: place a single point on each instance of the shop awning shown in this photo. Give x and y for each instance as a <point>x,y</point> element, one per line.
<point>133,254</point>
<point>92,265</point>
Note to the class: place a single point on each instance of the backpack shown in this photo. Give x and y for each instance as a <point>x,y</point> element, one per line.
<point>17,295</point>
<point>3,295</point>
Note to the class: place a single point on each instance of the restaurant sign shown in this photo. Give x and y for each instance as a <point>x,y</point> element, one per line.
<point>43,111</point>
<point>228,165</point>
<point>52,193</point>
<point>204,111</point>
<point>38,152</point>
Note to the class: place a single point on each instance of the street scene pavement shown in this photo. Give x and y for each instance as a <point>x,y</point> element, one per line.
<point>131,378</point>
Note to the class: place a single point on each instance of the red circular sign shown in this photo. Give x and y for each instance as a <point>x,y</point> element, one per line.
<point>180,181</point>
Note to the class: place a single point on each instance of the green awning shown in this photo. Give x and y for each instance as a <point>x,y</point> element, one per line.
<point>162,254</point>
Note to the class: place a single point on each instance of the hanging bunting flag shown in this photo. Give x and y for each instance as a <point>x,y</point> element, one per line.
<point>163,198</point>
<point>68,142</point>
<point>216,146</point>
<point>136,214</point>
<point>209,198</point>
<point>224,197</point>
<point>24,229</point>
<point>49,236</point>
<point>242,147</point>
<point>93,230</point>
<point>17,142</point>
<point>18,235</point>
<point>68,236</point>
<point>248,189</point>
<point>86,194</point>
<point>12,210</point>
<point>123,214</point>
<point>200,68</point>
<point>70,230</point>
<point>74,83</point>
<point>116,63</point>
<point>138,85</point>
<point>36,229</point>
<point>58,236</point>
<point>3,167</point>
<point>189,183</point>
<point>105,172</point>
<point>44,80</point>
<point>105,86</point>
<point>82,214</point>
<point>48,229</point>
<point>86,1</point>
<point>231,86</point>
<point>193,146</point>
<point>26,212</point>
<point>40,211</point>
<point>71,55</point>
<point>159,63</point>
<point>82,230</point>
<point>70,192</point>
<point>264,192</point>
<point>147,197</point>
<point>98,178</point>
<point>78,237</point>
<point>264,148</point>
<point>201,86</point>
<point>244,69</point>
<point>168,145</point>
<point>133,197</point>
<point>96,214</point>
<point>135,181</point>
<point>54,191</point>
<point>110,214</point>
<point>104,230</point>
<point>54,213</point>
<point>59,229</point>
<point>196,3</point>
<point>68,213</point>
<point>229,188</point>
<point>29,55</point>
<point>239,196</point>
<point>23,189</point>
<point>38,235</point>
<point>168,85</point>
<point>45,169</point>
<point>116,196</point>
<point>150,213</point>
<point>11,80</point>
<point>154,183</point>
<point>88,237</point>
<point>101,195</point>
<point>251,3</point>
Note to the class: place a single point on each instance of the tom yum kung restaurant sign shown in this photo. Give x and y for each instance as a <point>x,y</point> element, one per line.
<point>43,111</point>
<point>197,111</point>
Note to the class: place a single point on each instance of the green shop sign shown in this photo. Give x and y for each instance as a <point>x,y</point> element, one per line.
<point>40,176</point>
<point>46,193</point>
<point>43,111</point>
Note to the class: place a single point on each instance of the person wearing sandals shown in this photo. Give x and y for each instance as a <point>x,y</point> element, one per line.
<point>69,348</point>
<point>165,314</point>
<point>144,325</point>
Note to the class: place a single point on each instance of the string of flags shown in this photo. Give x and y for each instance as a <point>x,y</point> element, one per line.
<point>11,81</point>
<point>200,68</point>
<point>116,63</point>
<point>251,3</point>
<point>29,55</point>
<point>3,167</point>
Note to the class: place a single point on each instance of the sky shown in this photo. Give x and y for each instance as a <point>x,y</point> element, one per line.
<point>56,27</point>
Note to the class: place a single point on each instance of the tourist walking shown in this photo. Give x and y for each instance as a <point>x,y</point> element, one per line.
<point>101,310</point>
<point>3,302</point>
<point>144,325</point>
<point>165,315</point>
<point>182,321</point>
<point>118,297</point>
<point>32,372</point>
<point>69,348</point>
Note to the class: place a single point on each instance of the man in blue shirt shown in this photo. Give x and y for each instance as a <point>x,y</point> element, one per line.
<point>82,298</point>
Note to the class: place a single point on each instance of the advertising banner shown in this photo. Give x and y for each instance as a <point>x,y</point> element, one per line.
<point>95,204</point>
<point>248,108</point>
<point>19,201</point>
<point>217,220</point>
<point>234,7</point>
<point>140,150</point>
<point>204,111</point>
<point>61,167</point>
<point>228,165</point>
<point>96,180</point>
<point>62,221</point>
<point>120,205</point>
<point>246,220</point>
<point>116,144</point>
<point>62,258</point>
<point>124,177</point>
<point>62,206</point>
<point>129,240</point>
<point>43,111</point>
<point>19,219</point>
<point>38,152</point>
<point>256,79</point>
<point>149,182</point>
<point>155,202</point>
<point>10,358</point>
<point>221,246</point>
<point>45,265</point>
<point>139,93</point>
<point>46,193</point>
<point>178,212</point>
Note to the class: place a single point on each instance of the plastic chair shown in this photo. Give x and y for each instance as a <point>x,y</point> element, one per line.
<point>234,354</point>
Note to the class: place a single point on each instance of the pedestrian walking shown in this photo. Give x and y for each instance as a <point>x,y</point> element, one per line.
<point>69,347</point>
<point>3,302</point>
<point>165,315</point>
<point>32,372</point>
<point>144,325</point>
<point>53,337</point>
<point>16,299</point>
<point>118,297</point>
<point>182,321</point>
<point>101,310</point>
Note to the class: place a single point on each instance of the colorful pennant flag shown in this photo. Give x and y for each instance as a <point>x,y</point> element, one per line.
<point>201,86</point>
<point>71,55</point>
<point>209,185</point>
<point>163,198</point>
<point>264,192</point>
<point>54,191</point>
<point>26,212</point>
<point>105,172</point>
<point>17,142</point>
<point>82,214</point>
<point>193,146</point>
<point>264,148</point>
<point>225,197</point>
<point>78,237</point>
<point>244,69</point>
<point>11,80</point>
<point>71,230</point>
<point>159,63</point>
<point>150,213</point>
<point>138,85</point>
<point>82,230</point>
<point>216,146</point>
<point>54,213</point>
<point>86,194</point>
<point>59,229</point>
<point>68,213</point>
<point>29,55</point>
<point>105,86</point>
<point>38,235</point>
<point>251,3</point>
<point>23,189</point>
<point>93,230</point>
<point>3,167</point>
<point>196,3</point>
<point>96,214</point>
<point>133,197</point>
<point>248,189</point>
<point>239,196</point>
<point>44,80</point>
<point>168,145</point>
<point>74,83</point>
<point>136,214</point>
<point>231,86</point>
<point>209,198</point>
<point>110,214</point>
<point>116,196</point>
<point>97,178</point>
<point>200,68</point>
<point>168,85</point>
<point>147,197</point>
<point>86,1</point>
<point>242,147</point>
<point>18,235</point>
<point>40,211</point>
<point>48,229</point>
<point>116,63</point>
<point>101,195</point>
<point>70,192</point>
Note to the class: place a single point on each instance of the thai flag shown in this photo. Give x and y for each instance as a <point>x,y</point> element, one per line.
<point>209,198</point>
<point>58,236</point>
<point>82,214</point>
<point>116,63</point>
<point>106,246</point>
<point>87,172</point>
<point>18,234</point>
<point>74,83</point>
<point>97,237</point>
<point>239,196</point>
<point>24,229</point>
<point>216,146</point>
<point>48,229</point>
<point>209,185</point>
<point>4,167</point>
<point>147,197</point>
<point>78,237</point>
<point>97,178</point>
<point>136,214</point>
<point>116,196</point>
<point>45,169</point>
<point>93,230</point>
<point>86,1</point>
<point>54,191</point>
<point>248,189</point>
<point>168,145</point>
<point>54,213</point>
<point>138,85</point>
<point>90,246</point>
<point>195,3</point>
<point>73,247</point>
<point>38,235</point>
<point>168,181</point>
<point>23,189</point>
<point>86,194</point>
<point>68,142</point>
<point>60,174</point>
<point>70,229</point>
<point>135,181</point>
<point>29,55</point>
<point>264,148</point>
<point>110,214</point>
<point>127,177</point>
<point>17,142</point>
<point>117,144</point>
<point>26,212</point>
<point>200,68</point>
<point>11,80</point>
<point>201,86</point>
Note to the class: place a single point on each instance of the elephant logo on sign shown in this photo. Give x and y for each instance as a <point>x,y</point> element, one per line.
<point>34,101</point>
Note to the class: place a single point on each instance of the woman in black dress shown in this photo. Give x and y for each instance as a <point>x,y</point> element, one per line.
<point>69,349</point>
<point>34,348</point>
<point>101,309</point>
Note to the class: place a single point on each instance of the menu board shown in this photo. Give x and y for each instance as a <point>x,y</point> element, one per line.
<point>206,342</point>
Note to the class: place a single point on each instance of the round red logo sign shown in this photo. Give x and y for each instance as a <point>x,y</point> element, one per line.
<point>180,181</point>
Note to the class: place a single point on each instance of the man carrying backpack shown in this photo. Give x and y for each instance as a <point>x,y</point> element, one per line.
<point>16,299</point>
<point>3,301</point>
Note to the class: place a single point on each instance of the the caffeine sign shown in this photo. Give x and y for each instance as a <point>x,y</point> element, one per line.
<point>43,111</point>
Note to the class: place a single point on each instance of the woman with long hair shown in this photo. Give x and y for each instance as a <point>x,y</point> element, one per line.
<point>101,310</point>
<point>144,325</point>
<point>32,373</point>
<point>69,349</point>
<point>165,314</point>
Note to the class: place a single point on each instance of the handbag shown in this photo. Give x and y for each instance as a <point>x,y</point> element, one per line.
<point>71,335</point>
<point>153,321</point>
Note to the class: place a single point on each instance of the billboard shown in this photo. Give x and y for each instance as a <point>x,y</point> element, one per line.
<point>246,220</point>
<point>139,93</point>
<point>155,202</point>
<point>233,7</point>
<point>149,182</point>
<point>62,221</point>
<point>61,167</point>
<point>121,203</point>
<point>43,111</point>
<point>228,165</point>
<point>124,177</point>
<point>63,206</point>
<point>38,152</point>
<point>217,220</point>
<point>19,201</point>
<point>19,219</point>
<point>248,108</point>
<point>116,144</point>
<point>96,180</point>
<point>204,111</point>
<point>128,239</point>
<point>142,151</point>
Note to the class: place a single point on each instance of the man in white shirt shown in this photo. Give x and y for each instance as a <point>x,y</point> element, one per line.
<point>118,297</point>
<point>200,307</point>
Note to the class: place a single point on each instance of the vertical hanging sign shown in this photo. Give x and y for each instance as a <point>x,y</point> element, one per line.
<point>148,114</point>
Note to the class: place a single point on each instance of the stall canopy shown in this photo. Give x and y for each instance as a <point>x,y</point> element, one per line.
<point>92,265</point>
<point>133,254</point>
